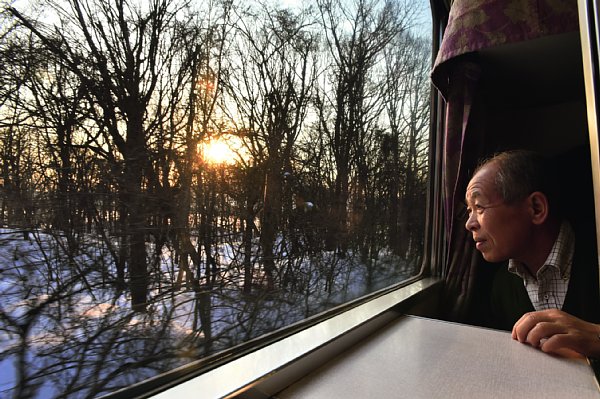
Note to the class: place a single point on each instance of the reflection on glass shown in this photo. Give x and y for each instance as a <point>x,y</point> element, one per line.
<point>189,179</point>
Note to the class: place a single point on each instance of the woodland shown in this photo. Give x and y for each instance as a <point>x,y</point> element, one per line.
<point>178,177</point>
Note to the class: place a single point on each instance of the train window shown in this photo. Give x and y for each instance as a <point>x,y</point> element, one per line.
<point>182,181</point>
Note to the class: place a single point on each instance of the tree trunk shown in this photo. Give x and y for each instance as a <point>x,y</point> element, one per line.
<point>248,266</point>
<point>270,222</point>
<point>132,189</point>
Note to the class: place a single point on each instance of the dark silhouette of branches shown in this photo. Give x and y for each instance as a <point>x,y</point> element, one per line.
<point>126,249</point>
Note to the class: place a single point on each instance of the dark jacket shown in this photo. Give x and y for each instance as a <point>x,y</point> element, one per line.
<point>509,299</point>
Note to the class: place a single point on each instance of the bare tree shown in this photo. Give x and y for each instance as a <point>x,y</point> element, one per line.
<point>407,108</point>
<point>356,33</point>
<point>20,58</point>
<point>118,51</point>
<point>104,108</point>
<point>271,87</point>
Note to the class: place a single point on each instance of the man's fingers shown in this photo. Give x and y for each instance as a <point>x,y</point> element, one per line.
<point>563,345</point>
<point>542,330</point>
<point>557,332</point>
<point>524,325</point>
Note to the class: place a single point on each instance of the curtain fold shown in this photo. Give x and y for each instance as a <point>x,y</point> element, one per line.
<point>475,25</point>
<point>461,153</point>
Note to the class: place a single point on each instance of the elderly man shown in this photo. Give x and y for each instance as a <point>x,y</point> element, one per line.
<point>548,293</point>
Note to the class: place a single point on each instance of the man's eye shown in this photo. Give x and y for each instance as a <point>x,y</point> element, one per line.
<point>477,208</point>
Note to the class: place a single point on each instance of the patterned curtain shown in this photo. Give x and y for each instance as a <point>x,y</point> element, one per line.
<point>475,25</point>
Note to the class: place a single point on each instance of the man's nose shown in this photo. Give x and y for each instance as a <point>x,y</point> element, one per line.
<point>472,223</point>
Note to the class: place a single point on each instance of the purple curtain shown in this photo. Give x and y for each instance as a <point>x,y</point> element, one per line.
<point>460,155</point>
<point>478,24</point>
<point>474,25</point>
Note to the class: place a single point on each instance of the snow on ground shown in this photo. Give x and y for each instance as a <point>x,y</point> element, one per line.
<point>66,330</point>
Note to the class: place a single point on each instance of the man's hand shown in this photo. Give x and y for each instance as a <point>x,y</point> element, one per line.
<point>557,332</point>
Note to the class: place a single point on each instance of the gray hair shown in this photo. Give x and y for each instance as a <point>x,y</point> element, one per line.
<point>522,172</point>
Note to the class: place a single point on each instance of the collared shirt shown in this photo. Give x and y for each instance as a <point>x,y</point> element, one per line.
<point>548,289</point>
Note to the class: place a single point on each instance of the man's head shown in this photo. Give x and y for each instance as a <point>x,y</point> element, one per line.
<point>520,173</point>
<point>508,201</point>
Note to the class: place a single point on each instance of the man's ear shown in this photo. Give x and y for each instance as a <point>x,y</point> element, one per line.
<point>538,207</point>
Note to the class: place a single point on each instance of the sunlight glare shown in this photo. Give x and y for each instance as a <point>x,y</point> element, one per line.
<point>218,152</point>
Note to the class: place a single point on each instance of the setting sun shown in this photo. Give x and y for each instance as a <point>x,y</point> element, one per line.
<point>218,151</point>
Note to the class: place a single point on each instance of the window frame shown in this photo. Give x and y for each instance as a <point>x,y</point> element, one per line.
<point>589,20</point>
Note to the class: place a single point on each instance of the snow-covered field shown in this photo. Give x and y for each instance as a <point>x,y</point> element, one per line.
<point>68,331</point>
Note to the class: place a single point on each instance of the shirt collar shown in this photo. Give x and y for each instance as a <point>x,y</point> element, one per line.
<point>560,256</point>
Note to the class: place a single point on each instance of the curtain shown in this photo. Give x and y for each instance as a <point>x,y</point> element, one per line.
<point>475,25</point>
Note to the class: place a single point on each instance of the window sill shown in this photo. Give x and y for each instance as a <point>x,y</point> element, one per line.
<point>262,373</point>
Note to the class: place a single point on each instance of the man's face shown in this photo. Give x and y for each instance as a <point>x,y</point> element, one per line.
<point>500,231</point>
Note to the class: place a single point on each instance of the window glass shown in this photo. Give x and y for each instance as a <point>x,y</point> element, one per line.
<point>177,179</point>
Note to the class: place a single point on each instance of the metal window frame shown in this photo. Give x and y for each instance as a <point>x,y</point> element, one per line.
<point>589,19</point>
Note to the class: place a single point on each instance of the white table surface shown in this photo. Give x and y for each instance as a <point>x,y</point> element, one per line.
<point>415,357</point>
